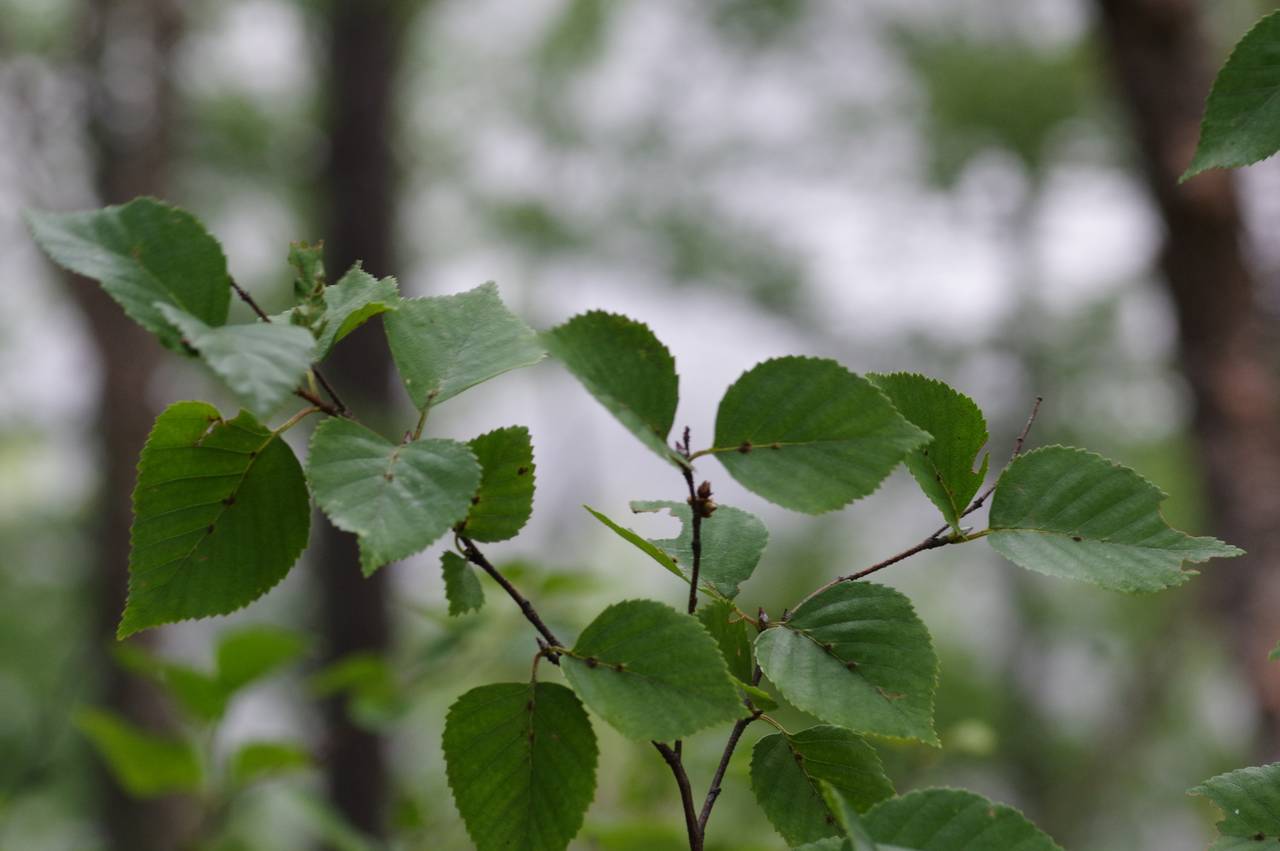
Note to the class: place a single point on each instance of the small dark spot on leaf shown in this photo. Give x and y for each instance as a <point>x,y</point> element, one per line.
<point>1077,538</point>
<point>591,661</point>
<point>852,666</point>
<point>475,500</point>
<point>520,471</point>
<point>620,667</point>
<point>389,476</point>
<point>745,447</point>
<point>829,647</point>
<point>229,501</point>
<point>209,530</point>
<point>775,445</point>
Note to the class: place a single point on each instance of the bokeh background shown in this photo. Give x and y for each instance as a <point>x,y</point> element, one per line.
<point>981,190</point>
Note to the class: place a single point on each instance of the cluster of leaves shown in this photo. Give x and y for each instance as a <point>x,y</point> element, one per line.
<point>221,514</point>
<point>1241,127</point>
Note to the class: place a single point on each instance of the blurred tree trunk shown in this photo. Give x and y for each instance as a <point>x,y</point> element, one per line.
<point>1161,59</point>
<point>363,48</point>
<point>130,104</point>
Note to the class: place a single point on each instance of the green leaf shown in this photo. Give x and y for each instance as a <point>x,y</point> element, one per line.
<point>201,695</point>
<point>835,843</point>
<point>952,820</point>
<point>809,435</point>
<point>250,653</point>
<point>651,672</point>
<point>845,812</point>
<point>1250,802</point>
<point>143,253</point>
<point>943,468</point>
<point>856,655</point>
<point>262,362</point>
<point>505,500</point>
<point>374,695</point>
<point>732,542</point>
<point>264,760</point>
<point>640,543</point>
<point>461,585</point>
<point>760,699</point>
<point>1070,513</point>
<point>786,771</point>
<point>146,765</point>
<point>626,368</point>
<point>521,761</point>
<point>355,299</point>
<point>446,344</point>
<point>1242,117</point>
<point>733,636</point>
<point>398,498</point>
<point>220,514</point>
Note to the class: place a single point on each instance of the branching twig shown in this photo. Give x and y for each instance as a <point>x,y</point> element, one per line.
<point>338,408</point>
<point>713,792</point>
<point>686,794</point>
<point>477,558</point>
<point>939,538</point>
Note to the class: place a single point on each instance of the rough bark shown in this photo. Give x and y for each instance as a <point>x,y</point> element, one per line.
<point>363,45</point>
<point>131,155</point>
<point>1163,70</point>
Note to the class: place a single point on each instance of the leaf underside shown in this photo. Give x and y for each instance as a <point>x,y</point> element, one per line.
<point>461,585</point>
<point>1074,514</point>
<point>859,657</point>
<point>220,515</point>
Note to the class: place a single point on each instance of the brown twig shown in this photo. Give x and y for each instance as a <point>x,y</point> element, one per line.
<point>477,558</point>
<point>676,764</point>
<point>937,539</point>
<point>740,727</point>
<point>338,408</point>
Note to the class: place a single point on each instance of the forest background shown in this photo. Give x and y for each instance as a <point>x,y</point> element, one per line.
<point>981,190</point>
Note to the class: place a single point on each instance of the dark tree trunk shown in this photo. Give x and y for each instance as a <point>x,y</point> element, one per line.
<point>131,154</point>
<point>1160,57</point>
<point>363,46</point>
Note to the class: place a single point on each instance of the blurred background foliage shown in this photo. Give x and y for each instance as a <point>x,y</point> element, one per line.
<point>950,188</point>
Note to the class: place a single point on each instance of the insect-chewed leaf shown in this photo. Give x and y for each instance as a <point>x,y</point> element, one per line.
<point>732,542</point>
<point>521,761</point>
<point>809,435</point>
<point>398,498</point>
<point>952,820</point>
<point>220,514</point>
<point>1071,513</point>
<point>1242,117</point>
<point>856,655</point>
<point>1250,802</point>
<point>626,368</point>
<point>505,500</point>
<point>651,672</point>
<point>262,362</point>
<point>145,764</point>
<point>943,468</point>
<point>445,344</point>
<point>787,770</point>
<point>143,253</point>
<point>461,585</point>
<point>356,298</point>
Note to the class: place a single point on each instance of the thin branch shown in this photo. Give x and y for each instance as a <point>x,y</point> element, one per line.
<point>686,795</point>
<point>713,792</point>
<point>338,405</point>
<point>477,558</point>
<point>939,538</point>
<point>315,400</point>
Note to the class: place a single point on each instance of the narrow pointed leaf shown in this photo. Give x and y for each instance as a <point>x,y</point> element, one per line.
<point>445,344</point>
<point>651,672</point>
<point>1249,799</point>
<point>249,653</point>
<point>461,585</point>
<point>787,772</point>
<point>645,546</point>
<point>733,636</point>
<point>145,764</point>
<point>505,500</point>
<point>263,760</point>
<point>262,362</point>
<point>952,820</point>
<point>857,656</point>
<point>521,761</point>
<point>1242,117</point>
<point>1070,513</point>
<point>732,542</point>
<point>397,497</point>
<point>220,514</point>
<point>626,368</point>
<point>143,253</point>
<point>944,467</point>
<point>809,435</point>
